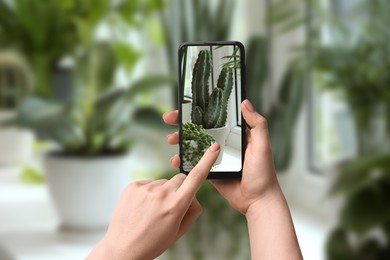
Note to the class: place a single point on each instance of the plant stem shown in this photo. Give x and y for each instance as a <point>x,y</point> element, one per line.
<point>41,67</point>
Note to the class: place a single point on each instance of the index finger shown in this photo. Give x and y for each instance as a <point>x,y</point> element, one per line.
<point>171,117</point>
<point>199,173</point>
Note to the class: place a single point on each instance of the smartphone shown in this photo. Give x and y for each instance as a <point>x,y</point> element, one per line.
<point>211,89</point>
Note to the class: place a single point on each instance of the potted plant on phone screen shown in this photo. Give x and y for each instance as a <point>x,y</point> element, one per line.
<point>210,110</point>
<point>94,133</point>
<point>15,83</point>
<point>195,143</point>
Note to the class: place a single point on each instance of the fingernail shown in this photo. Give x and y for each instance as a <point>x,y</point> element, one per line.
<point>168,136</point>
<point>248,105</point>
<point>170,160</point>
<point>215,147</point>
<point>163,116</point>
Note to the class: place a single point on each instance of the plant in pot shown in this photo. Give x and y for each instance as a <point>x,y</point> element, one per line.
<point>93,134</point>
<point>210,110</point>
<point>16,82</point>
<point>195,143</point>
<point>47,31</point>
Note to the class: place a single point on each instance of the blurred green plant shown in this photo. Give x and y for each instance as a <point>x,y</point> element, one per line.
<point>16,80</point>
<point>189,20</point>
<point>356,63</point>
<point>361,73</point>
<point>100,120</point>
<point>31,175</point>
<point>364,228</point>
<point>46,31</point>
<point>284,16</point>
<point>283,113</point>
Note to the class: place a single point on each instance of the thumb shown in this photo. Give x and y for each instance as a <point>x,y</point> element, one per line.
<point>253,118</point>
<point>258,125</point>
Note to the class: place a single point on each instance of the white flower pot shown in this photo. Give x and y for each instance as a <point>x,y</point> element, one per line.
<point>220,135</point>
<point>85,191</point>
<point>186,112</point>
<point>16,145</point>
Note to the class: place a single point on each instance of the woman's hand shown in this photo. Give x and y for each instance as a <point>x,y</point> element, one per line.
<point>152,215</point>
<point>258,176</point>
<point>258,194</point>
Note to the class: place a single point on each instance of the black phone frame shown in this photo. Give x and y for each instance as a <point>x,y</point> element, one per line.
<point>212,174</point>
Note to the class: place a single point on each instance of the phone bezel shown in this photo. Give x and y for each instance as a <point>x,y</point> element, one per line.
<point>212,174</point>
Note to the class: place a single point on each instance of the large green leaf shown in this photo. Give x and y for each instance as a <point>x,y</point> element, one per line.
<point>50,121</point>
<point>284,16</point>
<point>150,118</point>
<point>143,85</point>
<point>257,69</point>
<point>361,173</point>
<point>148,83</point>
<point>127,56</point>
<point>283,116</point>
<point>34,111</point>
<point>96,67</point>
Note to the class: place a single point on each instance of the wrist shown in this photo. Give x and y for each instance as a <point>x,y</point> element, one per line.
<point>101,251</point>
<point>113,249</point>
<point>106,249</point>
<point>272,198</point>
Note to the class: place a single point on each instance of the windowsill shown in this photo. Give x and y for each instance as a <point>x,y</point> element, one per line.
<point>29,225</point>
<point>234,138</point>
<point>231,160</point>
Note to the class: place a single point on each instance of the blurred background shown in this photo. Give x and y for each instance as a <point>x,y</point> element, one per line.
<point>83,85</point>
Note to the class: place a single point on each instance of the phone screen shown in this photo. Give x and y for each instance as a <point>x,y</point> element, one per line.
<point>211,89</point>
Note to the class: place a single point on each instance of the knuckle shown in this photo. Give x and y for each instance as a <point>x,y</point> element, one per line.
<point>162,194</point>
<point>173,207</point>
<point>181,175</point>
<point>262,122</point>
<point>130,189</point>
<point>159,194</point>
<point>132,186</point>
<point>135,184</point>
<point>198,207</point>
